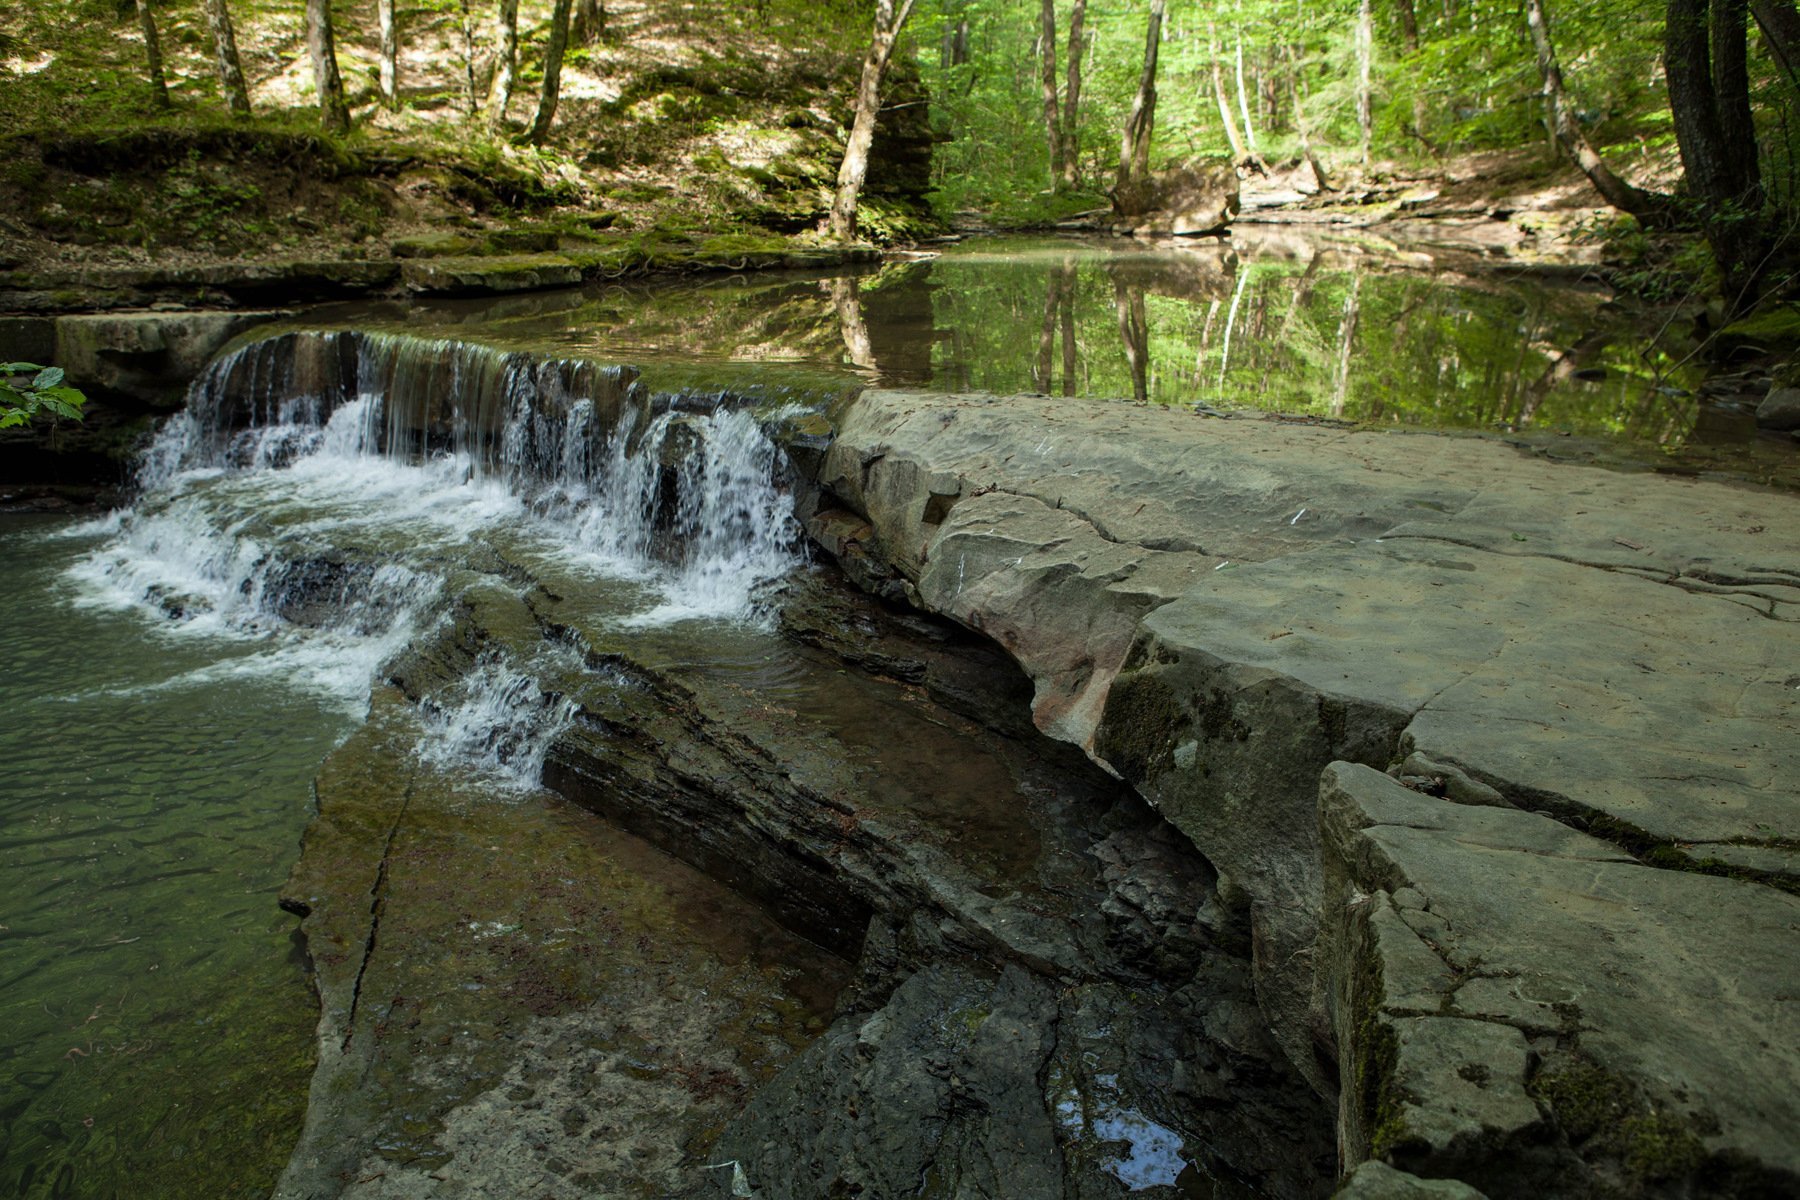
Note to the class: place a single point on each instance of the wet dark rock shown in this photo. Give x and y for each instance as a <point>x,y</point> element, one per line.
<point>1780,409</point>
<point>939,1088</point>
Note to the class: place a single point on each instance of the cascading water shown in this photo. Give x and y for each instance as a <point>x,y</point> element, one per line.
<point>313,505</point>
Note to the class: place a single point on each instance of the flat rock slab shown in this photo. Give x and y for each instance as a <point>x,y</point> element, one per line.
<point>1219,609</point>
<point>488,274</point>
<point>1500,976</point>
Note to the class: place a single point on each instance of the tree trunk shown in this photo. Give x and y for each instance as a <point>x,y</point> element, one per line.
<point>1646,206</point>
<point>388,21</point>
<point>1071,135</point>
<point>467,25</point>
<point>589,22</point>
<point>1722,177</point>
<point>553,58</point>
<point>1304,127</point>
<point>333,112</point>
<point>153,60</point>
<point>1047,81</point>
<point>847,300</point>
<point>1134,146</point>
<point>1365,60</point>
<point>1134,331</point>
<point>1070,355</point>
<point>1731,87</point>
<point>1780,25</point>
<point>1409,38</point>
<point>851,172</point>
<point>1239,152</point>
<point>506,64</point>
<point>225,53</point>
<point>1244,103</point>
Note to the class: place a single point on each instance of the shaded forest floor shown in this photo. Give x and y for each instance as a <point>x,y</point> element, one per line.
<point>676,123</point>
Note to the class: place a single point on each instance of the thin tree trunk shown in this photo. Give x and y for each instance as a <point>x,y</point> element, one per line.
<point>1409,38</point>
<point>225,53</point>
<point>1047,85</point>
<point>1615,191</point>
<point>333,112</point>
<point>553,59</point>
<point>589,23</point>
<point>1239,152</point>
<point>1070,359</point>
<point>1304,127</point>
<point>1134,331</point>
<point>1340,376</point>
<point>1043,374</point>
<point>1071,115</point>
<point>847,300</point>
<point>1365,60</point>
<point>1134,146</point>
<point>388,21</point>
<point>855,167</point>
<point>506,64</point>
<point>1780,25</point>
<point>1244,101</point>
<point>153,59</point>
<point>467,25</point>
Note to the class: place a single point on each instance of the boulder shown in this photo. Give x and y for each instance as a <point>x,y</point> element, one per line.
<point>498,273</point>
<point>148,357</point>
<point>1780,409</point>
<point>1194,198</point>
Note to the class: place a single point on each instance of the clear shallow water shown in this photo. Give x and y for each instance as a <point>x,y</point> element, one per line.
<point>155,1020</point>
<point>1288,322</point>
<point>173,679</point>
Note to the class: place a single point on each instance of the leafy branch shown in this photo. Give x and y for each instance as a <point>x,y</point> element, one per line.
<point>27,389</point>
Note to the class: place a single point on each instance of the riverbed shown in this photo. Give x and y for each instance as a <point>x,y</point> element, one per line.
<point>542,536</point>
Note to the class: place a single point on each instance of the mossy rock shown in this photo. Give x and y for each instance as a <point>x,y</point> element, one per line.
<point>522,241</point>
<point>1776,326</point>
<point>433,245</point>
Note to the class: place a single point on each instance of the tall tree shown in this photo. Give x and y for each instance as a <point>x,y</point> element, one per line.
<point>1615,191</point>
<point>589,23</point>
<point>1071,113</point>
<point>1240,151</point>
<point>225,56</point>
<point>1704,56</point>
<point>1053,131</point>
<point>333,112</point>
<point>1365,57</point>
<point>889,20</point>
<point>553,60</point>
<point>1779,21</point>
<point>388,21</point>
<point>1409,41</point>
<point>153,59</point>
<point>1134,145</point>
<point>506,64</point>
<point>466,26</point>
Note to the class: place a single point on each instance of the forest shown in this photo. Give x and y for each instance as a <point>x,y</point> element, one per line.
<point>736,119</point>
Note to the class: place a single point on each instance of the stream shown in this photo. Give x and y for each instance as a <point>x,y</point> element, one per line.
<point>628,807</point>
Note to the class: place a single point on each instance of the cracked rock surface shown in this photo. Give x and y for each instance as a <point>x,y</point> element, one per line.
<point>1591,678</point>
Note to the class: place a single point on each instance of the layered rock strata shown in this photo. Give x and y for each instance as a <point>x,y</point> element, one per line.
<point>1495,757</point>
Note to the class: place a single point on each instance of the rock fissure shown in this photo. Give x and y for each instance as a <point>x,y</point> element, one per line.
<point>377,901</point>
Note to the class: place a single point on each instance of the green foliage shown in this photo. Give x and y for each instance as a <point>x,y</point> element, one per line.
<point>26,389</point>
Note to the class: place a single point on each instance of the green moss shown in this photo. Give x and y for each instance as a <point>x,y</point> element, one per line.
<point>1140,728</point>
<point>1658,1146</point>
<point>1770,327</point>
<point>1585,1099</point>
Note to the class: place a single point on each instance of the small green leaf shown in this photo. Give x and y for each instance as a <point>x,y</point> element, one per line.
<point>47,378</point>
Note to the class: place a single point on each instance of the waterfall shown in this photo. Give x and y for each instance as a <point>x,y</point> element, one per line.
<point>311,510</point>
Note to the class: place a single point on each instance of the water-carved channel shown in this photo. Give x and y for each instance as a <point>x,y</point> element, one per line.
<point>648,856</point>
